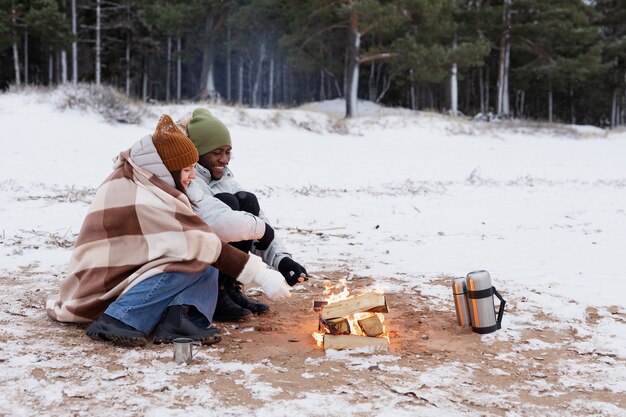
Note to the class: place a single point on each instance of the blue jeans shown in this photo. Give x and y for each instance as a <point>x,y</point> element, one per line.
<point>143,305</point>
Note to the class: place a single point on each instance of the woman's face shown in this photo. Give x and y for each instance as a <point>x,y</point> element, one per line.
<point>216,161</point>
<point>187,174</point>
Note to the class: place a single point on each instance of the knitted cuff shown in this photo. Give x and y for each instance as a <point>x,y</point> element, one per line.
<point>231,260</point>
<point>253,266</point>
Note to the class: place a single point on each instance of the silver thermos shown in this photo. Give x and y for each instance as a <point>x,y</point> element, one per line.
<point>459,290</point>
<point>480,294</point>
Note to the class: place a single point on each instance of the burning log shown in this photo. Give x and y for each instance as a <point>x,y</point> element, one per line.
<point>355,322</point>
<point>340,342</point>
<point>367,302</point>
<point>336,326</point>
<point>371,326</point>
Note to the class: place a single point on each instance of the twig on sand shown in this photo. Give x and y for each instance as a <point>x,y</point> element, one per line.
<point>301,230</point>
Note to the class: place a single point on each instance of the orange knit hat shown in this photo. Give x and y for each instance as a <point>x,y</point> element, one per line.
<point>176,150</point>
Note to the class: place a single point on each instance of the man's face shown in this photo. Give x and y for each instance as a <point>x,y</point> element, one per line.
<point>216,161</point>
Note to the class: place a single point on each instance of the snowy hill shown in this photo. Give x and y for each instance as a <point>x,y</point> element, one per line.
<point>405,199</point>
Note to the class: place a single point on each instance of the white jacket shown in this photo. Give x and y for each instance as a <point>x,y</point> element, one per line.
<point>231,225</point>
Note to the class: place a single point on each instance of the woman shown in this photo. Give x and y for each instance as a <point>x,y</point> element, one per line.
<point>143,258</point>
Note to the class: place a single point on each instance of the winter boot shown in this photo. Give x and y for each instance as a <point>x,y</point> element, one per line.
<point>234,292</point>
<point>226,309</point>
<point>185,321</point>
<point>108,328</point>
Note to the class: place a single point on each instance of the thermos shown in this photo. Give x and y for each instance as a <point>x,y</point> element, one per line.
<point>459,290</point>
<point>480,294</point>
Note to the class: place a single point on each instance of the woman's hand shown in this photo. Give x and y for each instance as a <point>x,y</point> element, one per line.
<point>272,283</point>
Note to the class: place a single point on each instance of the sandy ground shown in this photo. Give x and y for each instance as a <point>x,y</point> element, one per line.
<point>272,366</point>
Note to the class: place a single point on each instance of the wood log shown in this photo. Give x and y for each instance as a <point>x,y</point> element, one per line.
<point>371,326</point>
<point>371,301</point>
<point>340,342</point>
<point>318,306</point>
<point>336,326</point>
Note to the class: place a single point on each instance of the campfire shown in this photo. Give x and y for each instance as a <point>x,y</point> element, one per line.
<point>351,321</point>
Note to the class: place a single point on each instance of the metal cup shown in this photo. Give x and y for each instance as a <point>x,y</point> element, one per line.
<point>183,350</point>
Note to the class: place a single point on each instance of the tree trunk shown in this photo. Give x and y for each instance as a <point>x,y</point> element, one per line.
<point>385,87</point>
<point>454,90</point>
<point>487,90</point>
<point>16,56</point>
<point>144,89</point>
<point>128,64</point>
<point>481,89</point>
<point>412,96</point>
<point>74,45</point>
<point>550,102</point>
<point>228,64</point>
<point>63,66</point>
<point>503,67</point>
<point>98,43</point>
<point>250,94</point>
<point>285,84</point>
<point>270,93</point>
<point>371,82</point>
<point>207,86</point>
<point>168,70</point>
<point>179,67</point>
<point>571,106</point>
<point>26,57</point>
<point>50,67</point>
<point>257,78</point>
<point>240,81</point>
<point>521,97</point>
<point>352,66</point>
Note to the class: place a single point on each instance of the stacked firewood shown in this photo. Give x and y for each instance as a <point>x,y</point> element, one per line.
<point>352,323</point>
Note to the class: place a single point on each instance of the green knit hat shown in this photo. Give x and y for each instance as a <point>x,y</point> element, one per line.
<point>207,132</point>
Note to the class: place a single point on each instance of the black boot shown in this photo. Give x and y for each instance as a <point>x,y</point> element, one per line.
<point>234,292</point>
<point>226,309</point>
<point>185,321</point>
<point>108,328</point>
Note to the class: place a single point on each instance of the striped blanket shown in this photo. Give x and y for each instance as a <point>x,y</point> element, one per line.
<point>136,227</point>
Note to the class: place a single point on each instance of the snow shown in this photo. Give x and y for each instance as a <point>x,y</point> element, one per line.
<point>404,197</point>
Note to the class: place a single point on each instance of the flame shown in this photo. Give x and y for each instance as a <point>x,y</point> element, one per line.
<point>319,338</point>
<point>332,297</point>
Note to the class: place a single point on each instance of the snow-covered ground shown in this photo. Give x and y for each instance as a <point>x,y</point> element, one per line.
<point>409,199</point>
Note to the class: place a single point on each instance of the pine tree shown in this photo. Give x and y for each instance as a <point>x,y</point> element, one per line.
<point>358,21</point>
<point>46,24</point>
<point>614,30</point>
<point>557,46</point>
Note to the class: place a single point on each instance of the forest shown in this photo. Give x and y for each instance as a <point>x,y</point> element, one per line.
<point>555,61</point>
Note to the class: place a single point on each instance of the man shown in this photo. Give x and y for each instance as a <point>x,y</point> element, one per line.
<point>233,213</point>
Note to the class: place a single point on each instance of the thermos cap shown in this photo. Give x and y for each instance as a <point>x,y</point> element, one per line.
<point>459,285</point>
<point>478,280</point>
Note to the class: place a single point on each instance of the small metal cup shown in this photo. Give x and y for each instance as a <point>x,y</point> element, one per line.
<point>183,350</point>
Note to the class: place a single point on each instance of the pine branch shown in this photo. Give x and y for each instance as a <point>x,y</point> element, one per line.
<point>377,57</point>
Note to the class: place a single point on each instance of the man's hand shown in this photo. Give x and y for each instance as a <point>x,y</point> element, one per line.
<point>292,271</point>
<point>266,239</point>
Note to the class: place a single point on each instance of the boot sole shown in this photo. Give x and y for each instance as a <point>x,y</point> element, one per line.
<point>247,317</point>
<point>118,340</point>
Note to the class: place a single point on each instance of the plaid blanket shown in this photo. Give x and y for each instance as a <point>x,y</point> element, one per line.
<point>136,227</point>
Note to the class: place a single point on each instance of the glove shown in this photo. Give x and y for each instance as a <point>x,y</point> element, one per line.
<point>291,270</point>
<point>272,283</point>
<point>266,239</point>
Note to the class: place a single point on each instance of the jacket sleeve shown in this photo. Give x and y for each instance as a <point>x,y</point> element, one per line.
<point>275,251</point>
<point>230,225</point>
